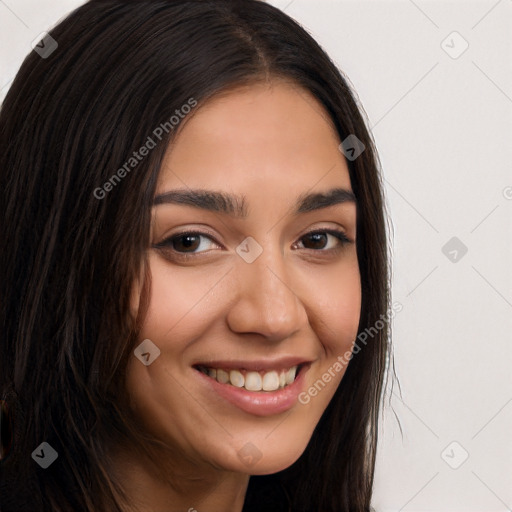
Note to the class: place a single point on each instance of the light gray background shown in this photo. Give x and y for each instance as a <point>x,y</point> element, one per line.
<point>443,129</point>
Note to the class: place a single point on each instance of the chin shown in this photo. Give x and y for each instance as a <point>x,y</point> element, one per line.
<point>265,461</point>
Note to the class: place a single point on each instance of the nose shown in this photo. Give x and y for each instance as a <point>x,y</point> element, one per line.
<point>266,302</point>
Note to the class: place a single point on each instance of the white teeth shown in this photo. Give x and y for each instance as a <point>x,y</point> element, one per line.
<point>290,375</point>
<point>270,381</point>
<point>236,378</point>
<point>253,381</point>
<point>222,376</point>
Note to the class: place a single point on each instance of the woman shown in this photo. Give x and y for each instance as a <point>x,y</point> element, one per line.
<point>193,237</point>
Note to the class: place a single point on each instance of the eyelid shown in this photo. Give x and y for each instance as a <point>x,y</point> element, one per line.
<point>190,231</point>
<point>338,233</point>
<point>331,231</point>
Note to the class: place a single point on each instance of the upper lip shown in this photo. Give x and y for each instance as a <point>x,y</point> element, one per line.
<point>255,365</point>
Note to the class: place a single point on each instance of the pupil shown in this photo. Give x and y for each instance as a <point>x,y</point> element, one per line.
<point>319,240</point>
<point>187,242</point>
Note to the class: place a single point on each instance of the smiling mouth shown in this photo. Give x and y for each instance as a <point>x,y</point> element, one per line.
<point>273,380</point>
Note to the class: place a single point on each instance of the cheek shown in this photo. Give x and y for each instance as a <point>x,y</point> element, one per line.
<point>337,316</point>
<point>179,311</point>
<point>177,305</point>
<point>336,299</point>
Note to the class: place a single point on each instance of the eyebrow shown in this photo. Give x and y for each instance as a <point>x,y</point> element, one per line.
<point>309,202</point>
<point>210,200</point>
<point>236,206</point>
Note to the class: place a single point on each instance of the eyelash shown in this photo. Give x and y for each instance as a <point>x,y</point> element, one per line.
<point>336,233</point>
<point>166,245</point>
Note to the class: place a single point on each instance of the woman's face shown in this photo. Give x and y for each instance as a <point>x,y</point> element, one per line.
<point>250,285</point>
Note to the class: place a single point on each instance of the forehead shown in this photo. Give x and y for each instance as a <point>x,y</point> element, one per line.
<point>262,135</point>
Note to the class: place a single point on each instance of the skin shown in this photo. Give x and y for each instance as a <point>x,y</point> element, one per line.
<point>270,142</point>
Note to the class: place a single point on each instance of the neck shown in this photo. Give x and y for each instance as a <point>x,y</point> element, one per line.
<point>154,484</point>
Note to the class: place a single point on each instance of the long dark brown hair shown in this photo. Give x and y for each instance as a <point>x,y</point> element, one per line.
<point>69,260</point>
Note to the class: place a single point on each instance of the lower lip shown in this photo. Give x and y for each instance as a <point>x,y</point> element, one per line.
<point>259,403</point>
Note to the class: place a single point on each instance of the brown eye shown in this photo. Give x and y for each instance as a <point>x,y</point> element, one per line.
<point>186,243</point>
<point>325,240</point>
<point>317,241</point>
